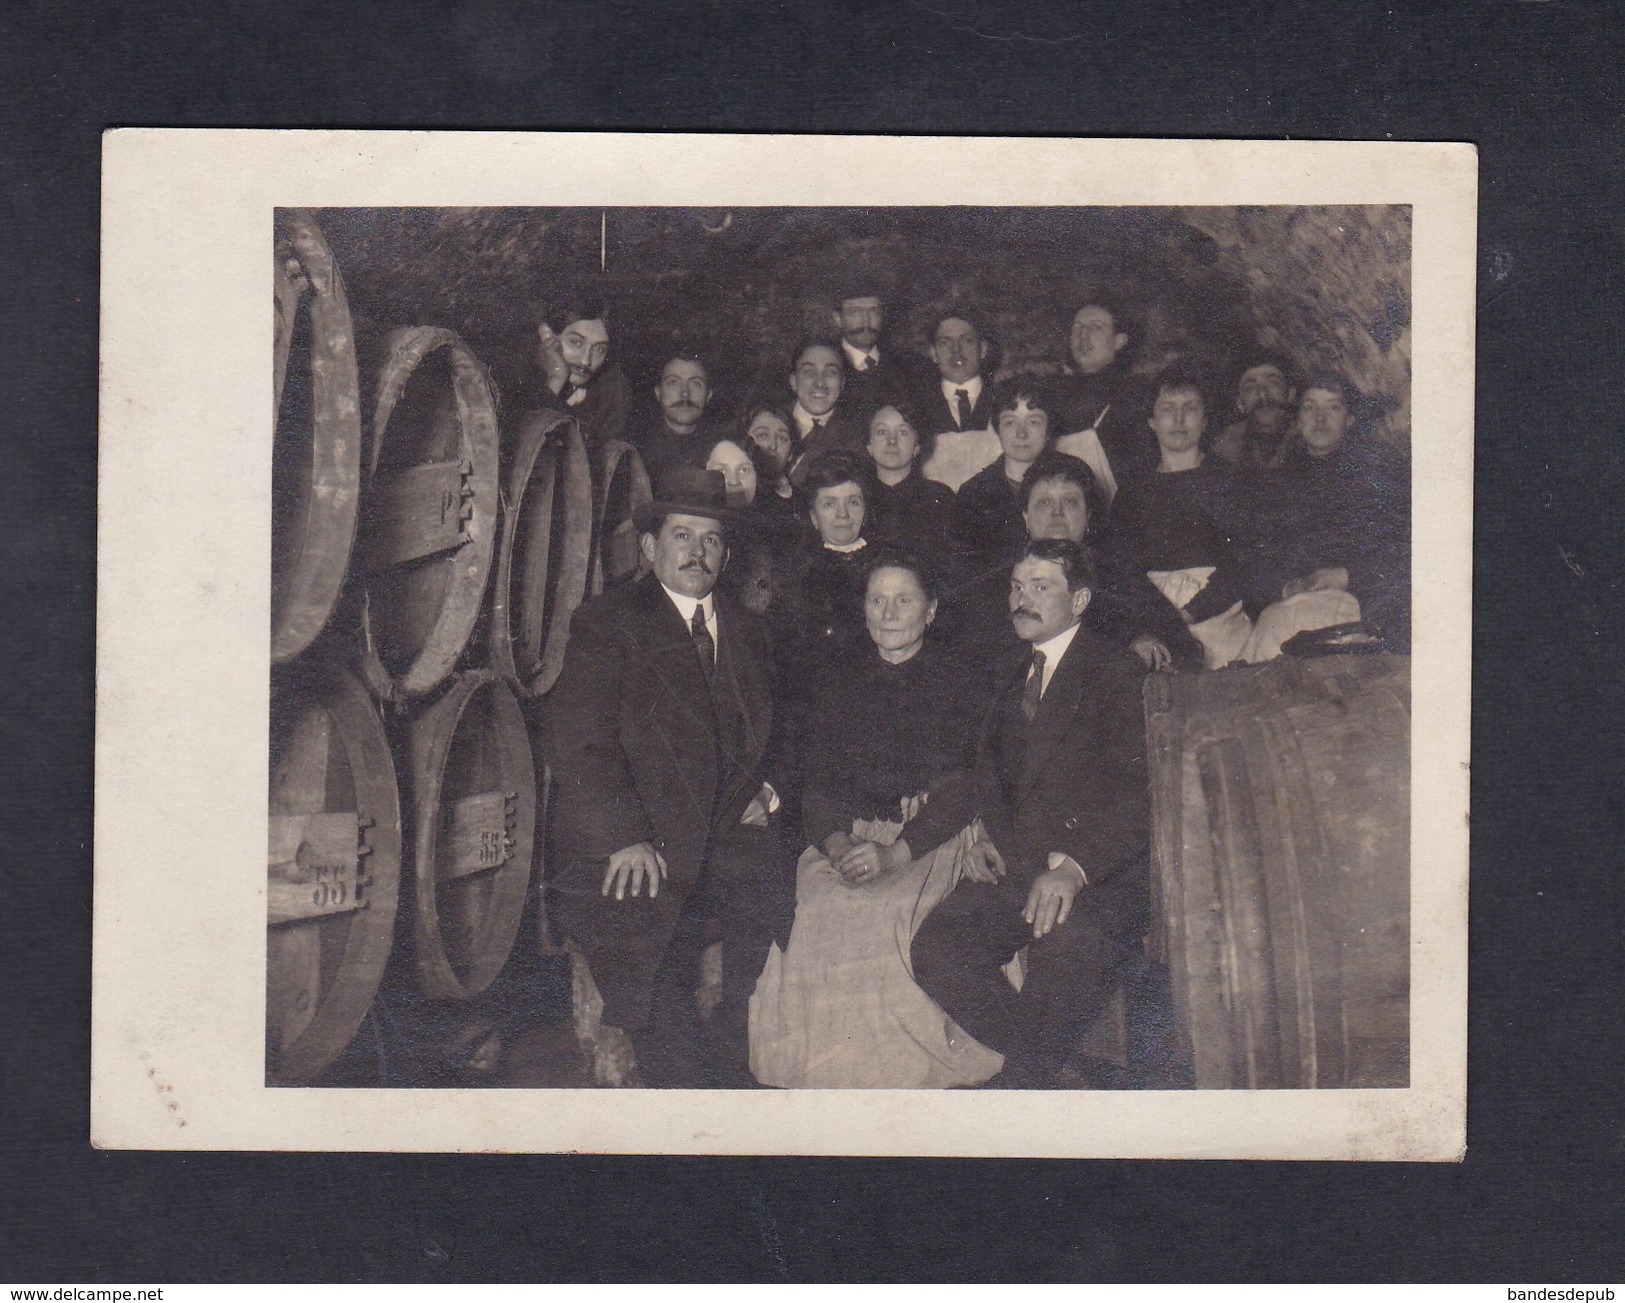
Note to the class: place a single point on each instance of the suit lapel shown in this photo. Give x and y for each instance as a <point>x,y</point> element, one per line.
<point>739,693</point>
<point>674,663</point>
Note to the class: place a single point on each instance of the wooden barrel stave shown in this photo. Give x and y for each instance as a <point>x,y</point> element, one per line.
<point>335,869</point>
<point>544,562</point>
<point>474,789</point>
<point>623,486</point>
<point>316,456</point>
<point>429,512</point>
<point>1281,804</point>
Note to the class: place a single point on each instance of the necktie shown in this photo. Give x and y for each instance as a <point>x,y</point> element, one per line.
<point>1034,689</point>
<point>704,645</point>
<point>864,363</point>
<point>962,400</point>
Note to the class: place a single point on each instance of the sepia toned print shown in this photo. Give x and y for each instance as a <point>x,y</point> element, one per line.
<point>848,648</point>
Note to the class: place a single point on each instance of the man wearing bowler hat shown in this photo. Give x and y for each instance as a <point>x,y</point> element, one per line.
<point>657,734</point>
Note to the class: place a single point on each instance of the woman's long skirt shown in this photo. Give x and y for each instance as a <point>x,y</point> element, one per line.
<point>839,1009</point>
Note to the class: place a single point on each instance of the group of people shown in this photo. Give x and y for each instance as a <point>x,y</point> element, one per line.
<point>870,715</point>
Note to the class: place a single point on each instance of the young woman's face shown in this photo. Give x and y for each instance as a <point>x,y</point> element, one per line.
<point>1023,432</point>
<point>772,435</point>
<point>892,440</point>
<point>837,513</point>
<point>738,472</point>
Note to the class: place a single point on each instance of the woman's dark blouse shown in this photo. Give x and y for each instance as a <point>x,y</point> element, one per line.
<point>988,515</point>
<point>883,732</point>
<point>819,618</point>
<point>916,514</point>
<point>1175,521</point>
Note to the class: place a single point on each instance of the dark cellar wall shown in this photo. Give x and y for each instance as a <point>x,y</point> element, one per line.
<point>1328,286</point>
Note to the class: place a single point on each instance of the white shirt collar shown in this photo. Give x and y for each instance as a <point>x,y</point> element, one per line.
<point>856,546</point>
<point>856,356</point>
<point>972,387</point>
<point>685,605</point>
<point>805,420</point>
<point>1053,649</point>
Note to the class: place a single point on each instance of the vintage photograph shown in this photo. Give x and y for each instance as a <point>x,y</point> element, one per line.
<point>733,665</point>
<point>883,647</point>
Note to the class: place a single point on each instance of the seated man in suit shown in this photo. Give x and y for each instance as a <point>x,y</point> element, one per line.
<point>657,735</point>
<point>1061,788</point>
<point>956,406</point>
<point>681,432</point>
<point>874,376</point>
<point>817,377</point>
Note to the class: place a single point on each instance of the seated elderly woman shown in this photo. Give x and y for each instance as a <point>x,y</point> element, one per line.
<point>1339,512</point>
<point>888,795</point>
<point>906,510</point>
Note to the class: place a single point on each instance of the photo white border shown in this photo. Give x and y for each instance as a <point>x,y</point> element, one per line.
<point>184,593</point>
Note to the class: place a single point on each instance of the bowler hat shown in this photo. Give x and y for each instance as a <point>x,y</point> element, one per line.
<point>687,491</point>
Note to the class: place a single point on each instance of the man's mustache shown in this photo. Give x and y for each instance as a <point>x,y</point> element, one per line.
<point>696,565</point>
<point>1021,611</point>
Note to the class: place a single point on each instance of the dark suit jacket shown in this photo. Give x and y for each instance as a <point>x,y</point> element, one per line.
<point>635,748</point>
<point>894,377</point>
<point>602,413</point>
<point>1117,405</point>
<point>841,432</point>
<point>934,410</point>
<point>1073,780</point>
<point>661,449</point>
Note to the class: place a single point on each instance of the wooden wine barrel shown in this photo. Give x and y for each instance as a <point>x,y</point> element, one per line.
<point>334,868</point>
<point>428,511</point>
<point>316,449</point>
<point>545,559</point>
<point>623,486</point>
<point>1281,805</point>
<point>474,808</point>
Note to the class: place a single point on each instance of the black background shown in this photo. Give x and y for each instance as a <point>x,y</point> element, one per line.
<point>1536,84</point>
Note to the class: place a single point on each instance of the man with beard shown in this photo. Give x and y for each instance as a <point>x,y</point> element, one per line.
<point>874,376</point>
<point>680,433</point>
<point>572,360</point>
<point>657,737</point>
<point>1266,398</point>
<point>1104,406</point>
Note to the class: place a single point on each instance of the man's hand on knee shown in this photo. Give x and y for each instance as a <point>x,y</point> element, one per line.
<point>1049,903</point>
<point>632,866</point>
